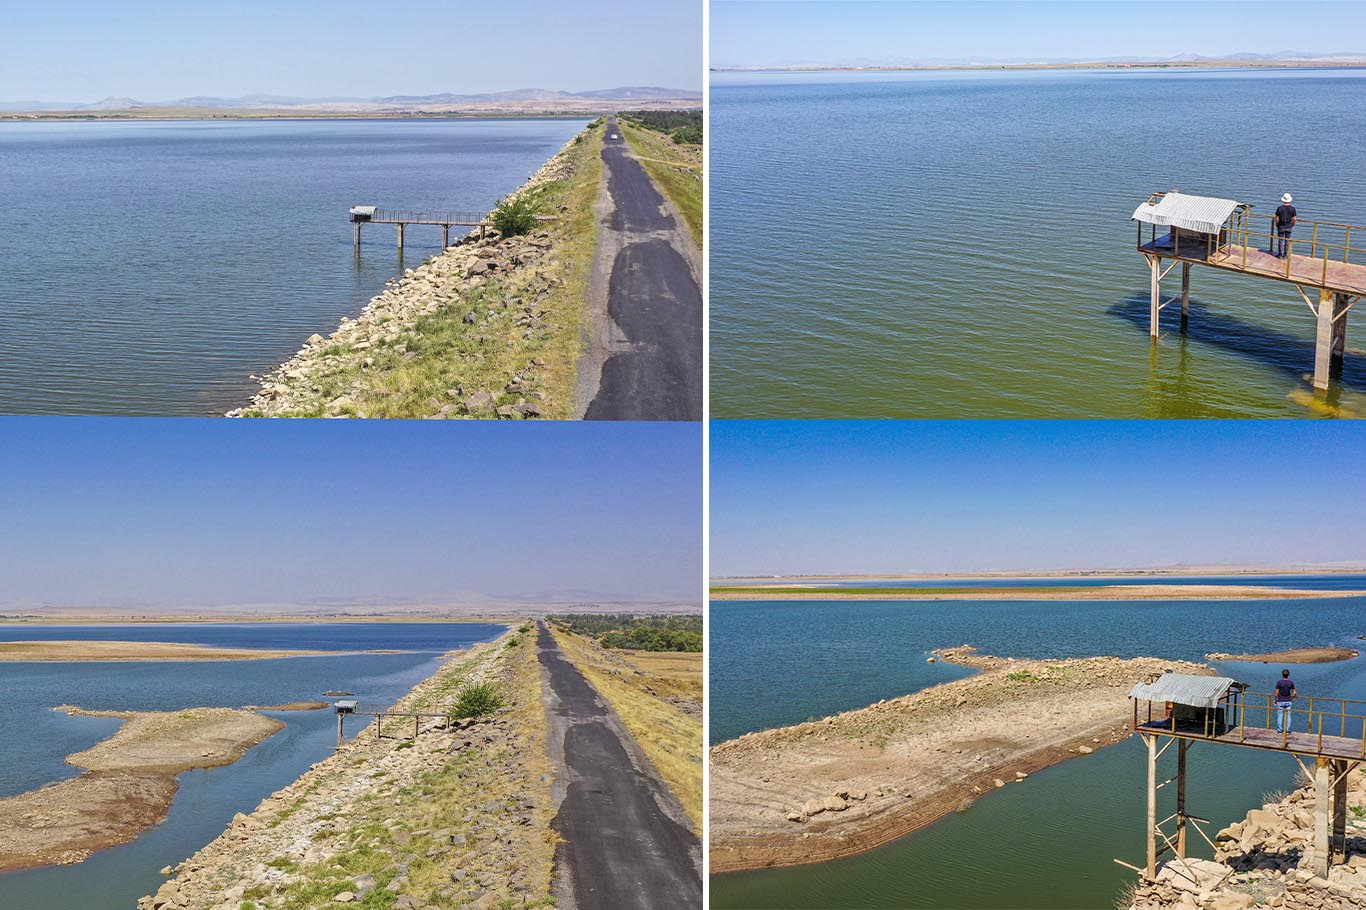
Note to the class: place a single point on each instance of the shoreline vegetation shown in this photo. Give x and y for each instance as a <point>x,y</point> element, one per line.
<point>128,784</point>
<point>675,166</point>
<point>1005,592</point>
<point>458,815</point>
<point>658,697</point>
<point>848,783</point>
<point>491,327</point>
<point>23,651</point>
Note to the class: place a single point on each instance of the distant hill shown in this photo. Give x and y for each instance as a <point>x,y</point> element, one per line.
<point>524,100</point>
<point>1280,58</point>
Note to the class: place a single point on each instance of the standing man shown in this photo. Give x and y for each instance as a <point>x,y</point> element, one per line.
<point>1285,699</point>
<point>1285,223</point>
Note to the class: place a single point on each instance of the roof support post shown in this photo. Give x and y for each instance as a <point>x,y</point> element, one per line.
<point>1322,796</point>
<point>1339,840</point>
<point>1181,748</point>
<point>1155,306</point>
<point>1185,294</point>
<point>1324,339</point>
<point>1151,868</point>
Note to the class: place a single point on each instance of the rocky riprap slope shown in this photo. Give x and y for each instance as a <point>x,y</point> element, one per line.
<point>458,817</point>
<point>1264,861</point>
<point>493,285</point>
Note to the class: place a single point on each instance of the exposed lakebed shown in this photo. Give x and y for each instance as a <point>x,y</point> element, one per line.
<point>1050,840</point>
<point>207,799</point>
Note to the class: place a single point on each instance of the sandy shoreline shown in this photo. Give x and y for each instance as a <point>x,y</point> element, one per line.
<point>82,651</point>
<point>1079,592</point>
<point>128,784</point>
<point>846,784</point>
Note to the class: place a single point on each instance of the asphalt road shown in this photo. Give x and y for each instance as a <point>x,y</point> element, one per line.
<point>619,849</point>
<point>654,370</point>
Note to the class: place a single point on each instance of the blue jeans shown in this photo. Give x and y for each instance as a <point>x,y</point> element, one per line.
<point>1283,716</point>
<point>1284,245</point>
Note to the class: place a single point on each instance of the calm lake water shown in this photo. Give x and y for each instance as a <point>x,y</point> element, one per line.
<point>959,244</point>
<point>153,267</point>
<point>114,879</point>
<point>765,672</point>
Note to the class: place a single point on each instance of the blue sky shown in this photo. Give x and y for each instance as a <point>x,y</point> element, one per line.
<point>153,50</point>
<point>904,496</point>
<point>166,512</point>
<point>745,32</point>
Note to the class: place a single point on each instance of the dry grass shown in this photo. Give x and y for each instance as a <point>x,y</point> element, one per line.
<point>658,697</point>
<point>676,170</point>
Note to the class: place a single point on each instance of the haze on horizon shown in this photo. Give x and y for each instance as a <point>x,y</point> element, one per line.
<point>147,513</point>
<point>750,33</point>
<point>899,497</point>
<point>157,50</point>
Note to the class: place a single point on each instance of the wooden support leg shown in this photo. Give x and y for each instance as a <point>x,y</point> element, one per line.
<point>445,236</point>
<point>1185,293</point>
<point>1181,748</point>
<point>416,719</point>
<point>1323,771</point>
<point>379,719</point>
<point>341,719</point>
<point>1339,839</point>
<point>355,235</point>
<point>1323,342</point>
<point>1154,308</point>
<point>1152,805</point>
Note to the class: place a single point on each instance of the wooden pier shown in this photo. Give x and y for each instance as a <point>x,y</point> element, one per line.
<point>1209,709</point>
<point>1322,264</point>
<point>369,214</point>
<point>345,709</point>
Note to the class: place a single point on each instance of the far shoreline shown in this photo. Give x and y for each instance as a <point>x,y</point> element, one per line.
<point>1140,592</point>
<point>1092,65</point>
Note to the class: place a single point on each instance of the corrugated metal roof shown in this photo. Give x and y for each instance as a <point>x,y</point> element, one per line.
<point>1198,691</point>
<point>363,209</point>
<point>1205,214</point>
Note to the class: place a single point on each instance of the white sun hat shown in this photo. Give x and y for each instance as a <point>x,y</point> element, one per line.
<point>1287,198</point>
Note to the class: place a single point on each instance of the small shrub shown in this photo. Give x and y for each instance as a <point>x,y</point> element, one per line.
<point>477,701</point>
<point>687,135</point>
<point>1020,676</point>
<point>513,217</point>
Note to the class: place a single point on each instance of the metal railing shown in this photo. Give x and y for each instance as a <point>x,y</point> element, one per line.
<point>1329,242</point>
<point>397,216</point>
<point>1315,716</point>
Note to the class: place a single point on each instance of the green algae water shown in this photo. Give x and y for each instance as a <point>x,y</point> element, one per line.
<point>939,244</point>
<point>1050,841</point>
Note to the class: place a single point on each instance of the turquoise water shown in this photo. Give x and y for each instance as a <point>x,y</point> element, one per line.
<point>1046,843</point>
<point>955,244</point>
<point>207,799</point>
<point>153,267</point>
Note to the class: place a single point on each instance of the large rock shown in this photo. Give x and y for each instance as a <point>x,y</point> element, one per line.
<point>1194,875</point>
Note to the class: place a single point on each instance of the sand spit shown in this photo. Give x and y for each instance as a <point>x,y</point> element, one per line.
<point>1292,656</point>
<point>128,784</point>
<point>458,816</point>
<point>845,784</point>
<point>1266,860</point>
<point>986,592</point>
<point>291,706</point>
<point>133,650</point>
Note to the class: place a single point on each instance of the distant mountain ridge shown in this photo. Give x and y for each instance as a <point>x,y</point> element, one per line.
<point>1287,58</point>
<point>518,97</point>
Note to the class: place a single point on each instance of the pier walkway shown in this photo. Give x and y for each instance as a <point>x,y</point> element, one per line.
<point>370,214</point>
<point>1325,261</point>
<point>1329,742</point>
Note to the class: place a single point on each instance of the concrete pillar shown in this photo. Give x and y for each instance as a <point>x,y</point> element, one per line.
<point>401,226</point>
<point>1181,748</point>
<point>1339,839</point>
<point>1154,307</point>
<point>1339,326</point>
<point>1152,805</point>
<point>1185,293</point>
<point>341,718</point>
<point>1323,771</point>
<point>445,236</point>
<point>1323,341</point>
<point>355,235</point>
